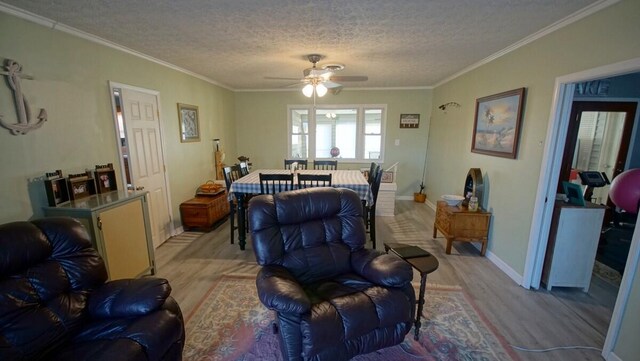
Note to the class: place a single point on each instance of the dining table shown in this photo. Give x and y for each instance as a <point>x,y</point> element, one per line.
<point>250,184</point>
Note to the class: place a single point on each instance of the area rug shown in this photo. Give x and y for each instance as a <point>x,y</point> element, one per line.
<point>230,324</point>
<point>607,273</point>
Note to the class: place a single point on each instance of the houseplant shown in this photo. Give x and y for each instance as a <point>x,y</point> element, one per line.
<point>420,197</point>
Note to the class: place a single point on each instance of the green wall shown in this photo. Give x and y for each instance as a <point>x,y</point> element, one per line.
<point>606,37</point>
<point>262,128</point>
<point>71,83</point>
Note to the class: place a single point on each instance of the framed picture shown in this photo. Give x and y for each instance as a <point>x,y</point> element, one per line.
<point>189,123</point>
<point>497,124</point>
<point>573,192</point>
<point>409,120</point>
<point>387,177</point>
<point>81,188</point>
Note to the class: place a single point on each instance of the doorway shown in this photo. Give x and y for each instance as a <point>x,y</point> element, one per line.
<point>137,124</point>
<point>598,140</point>
<point>547,188</point>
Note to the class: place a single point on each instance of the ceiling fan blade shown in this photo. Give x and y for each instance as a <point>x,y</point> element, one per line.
<point>315,72</point>
<point>329,84</point>
<point>291,85</point>
<point>278,78</point>
<point>336,90</point>
<point>339,78</point>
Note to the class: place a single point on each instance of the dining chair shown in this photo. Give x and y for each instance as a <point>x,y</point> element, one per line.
<point>314,180</point>
<point>302,163</point>
<point>275,183</point>
<point>231,174</point>
<point>325,164</point>
<point>372,169</point>
<point>244,168</point>
<point>370,213</point>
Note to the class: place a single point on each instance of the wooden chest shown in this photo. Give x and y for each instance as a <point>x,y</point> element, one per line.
<point>203,212</point>
<point>458,224</point>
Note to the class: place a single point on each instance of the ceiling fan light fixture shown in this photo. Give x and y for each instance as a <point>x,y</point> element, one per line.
<point>333,67</point>
<point>321,90</point>
<point>307,90</point>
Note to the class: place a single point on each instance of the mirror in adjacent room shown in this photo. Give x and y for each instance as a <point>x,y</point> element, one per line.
<point>597,140</point>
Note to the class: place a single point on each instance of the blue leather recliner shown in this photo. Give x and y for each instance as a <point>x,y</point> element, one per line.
<point>55,304</point>
<point>333,298</point>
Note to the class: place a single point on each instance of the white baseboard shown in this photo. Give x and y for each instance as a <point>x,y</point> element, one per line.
<point>430,205</point>
<point>504,267</point>
<point>613,357</point>
<point>501,264</point>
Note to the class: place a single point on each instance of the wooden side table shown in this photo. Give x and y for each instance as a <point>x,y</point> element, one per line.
<point>458,224</point>
<point>203,212</point>
<point>423,262</point>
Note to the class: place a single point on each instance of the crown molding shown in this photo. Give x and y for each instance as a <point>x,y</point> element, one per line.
<point>344,89</point>
<point>54,25</point>
<point>578,15</point>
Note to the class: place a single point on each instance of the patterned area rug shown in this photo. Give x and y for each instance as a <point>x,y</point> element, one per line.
<point>607,273</point>
<point>230,324</point>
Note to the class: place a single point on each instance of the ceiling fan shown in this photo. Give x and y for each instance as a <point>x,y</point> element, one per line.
<point>317,81</point>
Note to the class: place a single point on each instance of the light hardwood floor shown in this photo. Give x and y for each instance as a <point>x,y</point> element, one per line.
<point>528,318</point>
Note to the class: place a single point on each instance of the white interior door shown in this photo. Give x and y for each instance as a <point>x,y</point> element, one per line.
<point>146,159</point>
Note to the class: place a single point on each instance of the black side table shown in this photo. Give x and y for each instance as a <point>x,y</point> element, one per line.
<point>423,262</point>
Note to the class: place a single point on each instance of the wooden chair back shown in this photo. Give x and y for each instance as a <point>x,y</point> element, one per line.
<point>302,163</point>
<point>325,164</point>
<point>275,183</point>
<point>231,174</point>
<point>244,168</point>
<point>314,180</point>
<point>373,168</point>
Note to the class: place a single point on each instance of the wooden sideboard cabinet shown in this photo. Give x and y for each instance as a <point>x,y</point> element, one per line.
<point>572,246</point>
<point>458,224</point>
<point>119,226</point>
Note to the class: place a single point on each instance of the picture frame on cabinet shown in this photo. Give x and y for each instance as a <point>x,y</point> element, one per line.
<point>105,177</point>
<point>56,188</point>
<point>574,193</point>
<point>387,177</point>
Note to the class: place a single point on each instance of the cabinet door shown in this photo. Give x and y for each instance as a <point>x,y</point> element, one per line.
<point>124,240</point>
<point>575,248</point>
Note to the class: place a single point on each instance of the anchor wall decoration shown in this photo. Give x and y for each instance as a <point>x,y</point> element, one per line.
<point>25,124</point>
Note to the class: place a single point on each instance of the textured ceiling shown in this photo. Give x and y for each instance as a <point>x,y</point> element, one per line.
<point>236,43</point>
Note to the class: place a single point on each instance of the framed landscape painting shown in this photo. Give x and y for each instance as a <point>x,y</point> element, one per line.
<point>497,124</point>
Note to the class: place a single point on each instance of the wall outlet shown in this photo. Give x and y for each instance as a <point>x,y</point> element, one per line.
<point>397,142</point>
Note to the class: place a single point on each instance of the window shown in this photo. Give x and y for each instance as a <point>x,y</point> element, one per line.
<point>299,130</point>
<point>344,132</point>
